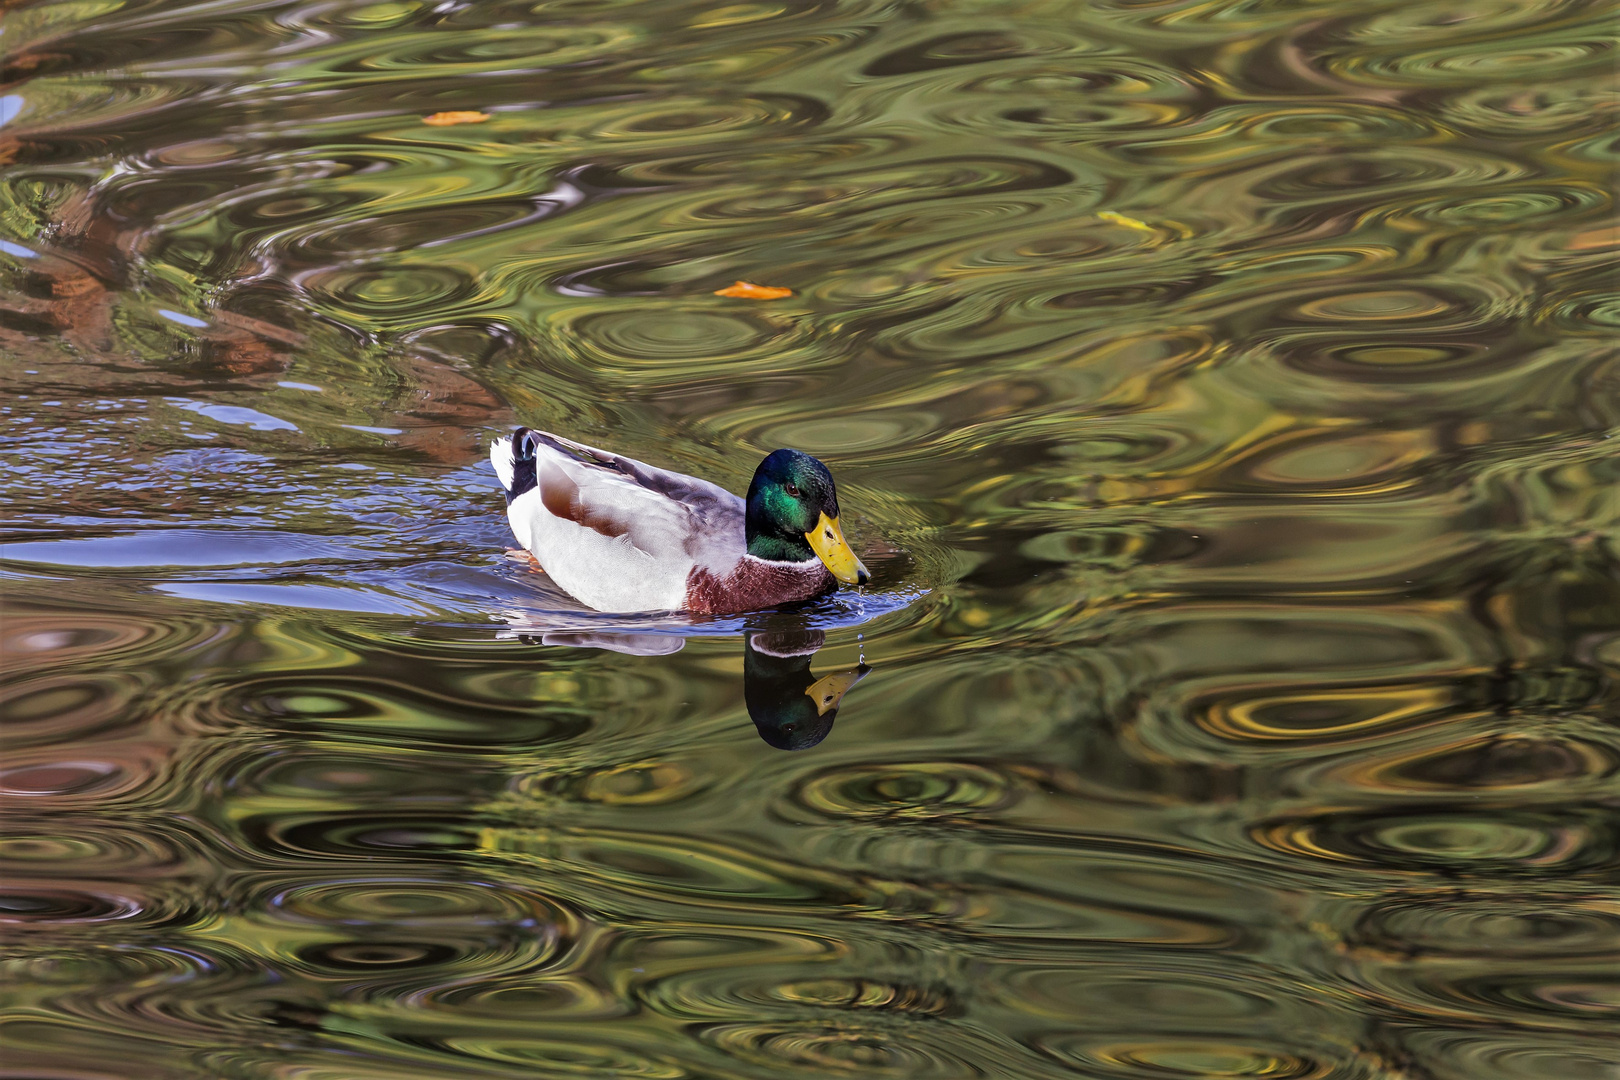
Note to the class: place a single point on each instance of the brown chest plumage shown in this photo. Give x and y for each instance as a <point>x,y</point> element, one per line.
<point>754,584</point>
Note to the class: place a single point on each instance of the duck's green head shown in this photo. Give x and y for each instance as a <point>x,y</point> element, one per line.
<point>793,516</point>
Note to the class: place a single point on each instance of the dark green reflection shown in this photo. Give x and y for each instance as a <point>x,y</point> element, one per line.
<point>790,706</point>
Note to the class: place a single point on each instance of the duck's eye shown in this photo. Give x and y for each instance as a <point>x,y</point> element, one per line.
<point>793,490</point>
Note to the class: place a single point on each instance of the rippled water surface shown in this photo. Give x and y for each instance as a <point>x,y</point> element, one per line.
<point>1221,392</point>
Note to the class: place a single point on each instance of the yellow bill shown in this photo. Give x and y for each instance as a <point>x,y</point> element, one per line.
<point>827,540</point>
<point>829,690</point>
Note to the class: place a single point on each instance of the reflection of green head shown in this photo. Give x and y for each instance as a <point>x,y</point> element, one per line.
<point>790,707</point>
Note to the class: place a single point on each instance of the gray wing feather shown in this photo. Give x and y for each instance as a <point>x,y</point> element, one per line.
<point>716,515</point>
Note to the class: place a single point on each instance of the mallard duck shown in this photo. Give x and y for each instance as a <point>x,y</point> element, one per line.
<point>619,535</point>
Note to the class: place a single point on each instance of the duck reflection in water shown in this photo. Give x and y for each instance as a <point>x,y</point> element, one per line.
<point>791,708</point>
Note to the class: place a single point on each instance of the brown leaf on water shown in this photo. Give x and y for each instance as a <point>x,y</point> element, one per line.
<point>747,291</point>
<point>445,119</point>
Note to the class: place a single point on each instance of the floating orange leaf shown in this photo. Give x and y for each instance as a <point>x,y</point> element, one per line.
<point>445,119</point>
<point>747,291</point>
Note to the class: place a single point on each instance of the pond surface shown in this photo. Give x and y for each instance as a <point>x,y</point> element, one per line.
<point>1221,393</point>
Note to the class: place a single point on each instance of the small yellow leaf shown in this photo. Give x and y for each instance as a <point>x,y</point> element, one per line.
<point>445,119</point>
<point>747,291</point>
<point>1129,222</point>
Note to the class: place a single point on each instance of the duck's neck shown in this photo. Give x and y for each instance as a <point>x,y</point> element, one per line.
<point>778,549</point>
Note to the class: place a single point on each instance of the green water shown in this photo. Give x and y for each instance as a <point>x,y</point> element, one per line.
<point>1221,394</point>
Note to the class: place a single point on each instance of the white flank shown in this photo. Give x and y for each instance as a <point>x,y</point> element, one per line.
<point>500,456</point>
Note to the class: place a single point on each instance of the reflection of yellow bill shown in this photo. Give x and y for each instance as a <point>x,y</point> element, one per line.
<point>827,541</point>
<point>829,690</point>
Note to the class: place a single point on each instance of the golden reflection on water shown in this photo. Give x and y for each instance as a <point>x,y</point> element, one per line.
<point>1221,393</point>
